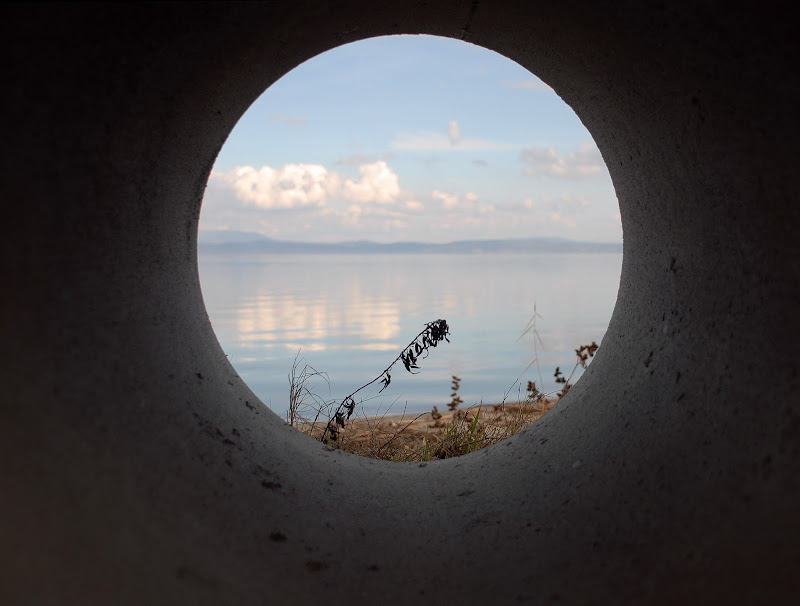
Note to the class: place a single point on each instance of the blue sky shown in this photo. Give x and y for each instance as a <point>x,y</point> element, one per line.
<point>411,138</point>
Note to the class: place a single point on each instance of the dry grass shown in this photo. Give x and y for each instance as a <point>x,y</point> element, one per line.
<point>433,435</point>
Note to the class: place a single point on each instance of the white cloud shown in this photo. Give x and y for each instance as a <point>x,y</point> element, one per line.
<point>306,185</point>
<point>326,205</point>
<point>470,222</point>
<point>378,183</point>
<point>565,203</point>
<point>394,224</point>
<point>352,215</point>
<point>583,163</point>
<point>449,201</point>
<point>291,186</point>
<point>559,209</point>
<point>287,119</point>
<point>533,84</point>
<point>561,219</point>
<point>453,132</point>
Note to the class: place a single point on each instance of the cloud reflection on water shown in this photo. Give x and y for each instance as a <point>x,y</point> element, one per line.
<point>350,315</point>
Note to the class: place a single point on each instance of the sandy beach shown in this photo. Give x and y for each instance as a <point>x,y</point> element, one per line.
<point>400,436</point>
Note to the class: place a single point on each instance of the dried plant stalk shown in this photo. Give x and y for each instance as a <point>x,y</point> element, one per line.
<point>433,333</point>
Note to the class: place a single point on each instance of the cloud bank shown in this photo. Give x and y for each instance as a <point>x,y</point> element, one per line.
<point>304,185</point>
<point>310,202</point>
<point>583,163</point>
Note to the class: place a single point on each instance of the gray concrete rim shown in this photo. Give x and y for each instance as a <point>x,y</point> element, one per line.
<point>139,467</point>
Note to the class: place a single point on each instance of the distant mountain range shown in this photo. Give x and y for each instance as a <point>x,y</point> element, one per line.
<point>251,242</point>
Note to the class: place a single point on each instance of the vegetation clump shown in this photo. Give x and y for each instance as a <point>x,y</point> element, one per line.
<point>427,436</point>
<point>455,400</point>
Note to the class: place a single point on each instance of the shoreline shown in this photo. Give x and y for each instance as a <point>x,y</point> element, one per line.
<point>409,436</point>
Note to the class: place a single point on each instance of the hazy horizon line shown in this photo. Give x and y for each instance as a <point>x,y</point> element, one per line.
<point>243,237</point>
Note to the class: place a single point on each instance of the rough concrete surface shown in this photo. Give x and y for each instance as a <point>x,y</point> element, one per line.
<point>139,469</point>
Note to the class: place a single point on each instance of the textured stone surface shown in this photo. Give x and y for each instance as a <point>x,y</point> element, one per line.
<point>138,468</point>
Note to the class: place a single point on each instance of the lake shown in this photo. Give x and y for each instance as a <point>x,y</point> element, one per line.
<point>349,316</point>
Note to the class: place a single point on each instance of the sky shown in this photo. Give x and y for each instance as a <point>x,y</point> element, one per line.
<point>411,138</point>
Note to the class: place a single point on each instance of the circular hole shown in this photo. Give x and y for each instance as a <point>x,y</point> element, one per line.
<point>392,182</point>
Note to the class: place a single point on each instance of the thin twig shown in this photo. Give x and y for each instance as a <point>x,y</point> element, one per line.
<point>428,337</point>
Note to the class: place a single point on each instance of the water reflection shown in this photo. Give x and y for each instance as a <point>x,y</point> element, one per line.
<point>317,323</point>
<point>351,315</point>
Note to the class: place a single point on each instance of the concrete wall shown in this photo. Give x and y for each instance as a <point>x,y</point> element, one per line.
<point>138,468</point>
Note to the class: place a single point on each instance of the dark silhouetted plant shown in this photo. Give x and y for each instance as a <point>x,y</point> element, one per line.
<point>453,433</point>
<point>584,352</point>
<point>433,333</point>
<point>455,400</point>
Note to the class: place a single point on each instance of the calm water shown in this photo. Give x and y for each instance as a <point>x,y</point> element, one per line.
<point>351,315</point>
